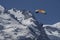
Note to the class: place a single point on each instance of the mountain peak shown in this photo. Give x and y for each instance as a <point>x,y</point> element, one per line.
<point>1,9</point>
<point>20,25</point>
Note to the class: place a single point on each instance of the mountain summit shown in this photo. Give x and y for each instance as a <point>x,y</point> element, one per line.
<point>20,25</point>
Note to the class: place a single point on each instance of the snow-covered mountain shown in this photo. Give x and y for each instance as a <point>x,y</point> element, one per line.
<point>53,31</point>
<point>20,25</point>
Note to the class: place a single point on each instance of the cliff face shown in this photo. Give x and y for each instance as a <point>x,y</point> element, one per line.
<point>20,25</point>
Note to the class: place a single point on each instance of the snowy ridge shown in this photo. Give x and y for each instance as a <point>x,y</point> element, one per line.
<point>20,25</point>
<point>53,31</point>
<point>14,25</point>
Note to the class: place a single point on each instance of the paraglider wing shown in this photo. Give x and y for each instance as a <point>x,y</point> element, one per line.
<point>40,11</point>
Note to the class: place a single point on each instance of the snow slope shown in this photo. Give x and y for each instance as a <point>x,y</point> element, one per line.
<point>53,31</point>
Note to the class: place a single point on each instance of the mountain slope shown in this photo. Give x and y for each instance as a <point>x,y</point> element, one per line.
<point>20,25</point>
<point>53,31</point>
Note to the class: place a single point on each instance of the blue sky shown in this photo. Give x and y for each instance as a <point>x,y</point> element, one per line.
<point>51,6</point>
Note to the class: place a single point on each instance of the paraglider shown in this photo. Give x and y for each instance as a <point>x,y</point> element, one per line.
<point>40,11</point>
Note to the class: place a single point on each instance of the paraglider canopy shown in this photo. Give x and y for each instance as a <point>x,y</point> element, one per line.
<point>42,11</point>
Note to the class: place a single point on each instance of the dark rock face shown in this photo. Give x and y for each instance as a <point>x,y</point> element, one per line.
<point>43,35</point>
<point>1,27</point>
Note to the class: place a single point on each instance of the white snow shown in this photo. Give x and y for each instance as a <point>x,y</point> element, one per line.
<point>11,25</point>
<point>2,9</point>
<point>55,26</point>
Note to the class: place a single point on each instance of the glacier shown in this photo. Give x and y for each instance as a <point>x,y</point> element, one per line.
<point>22,25</point>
